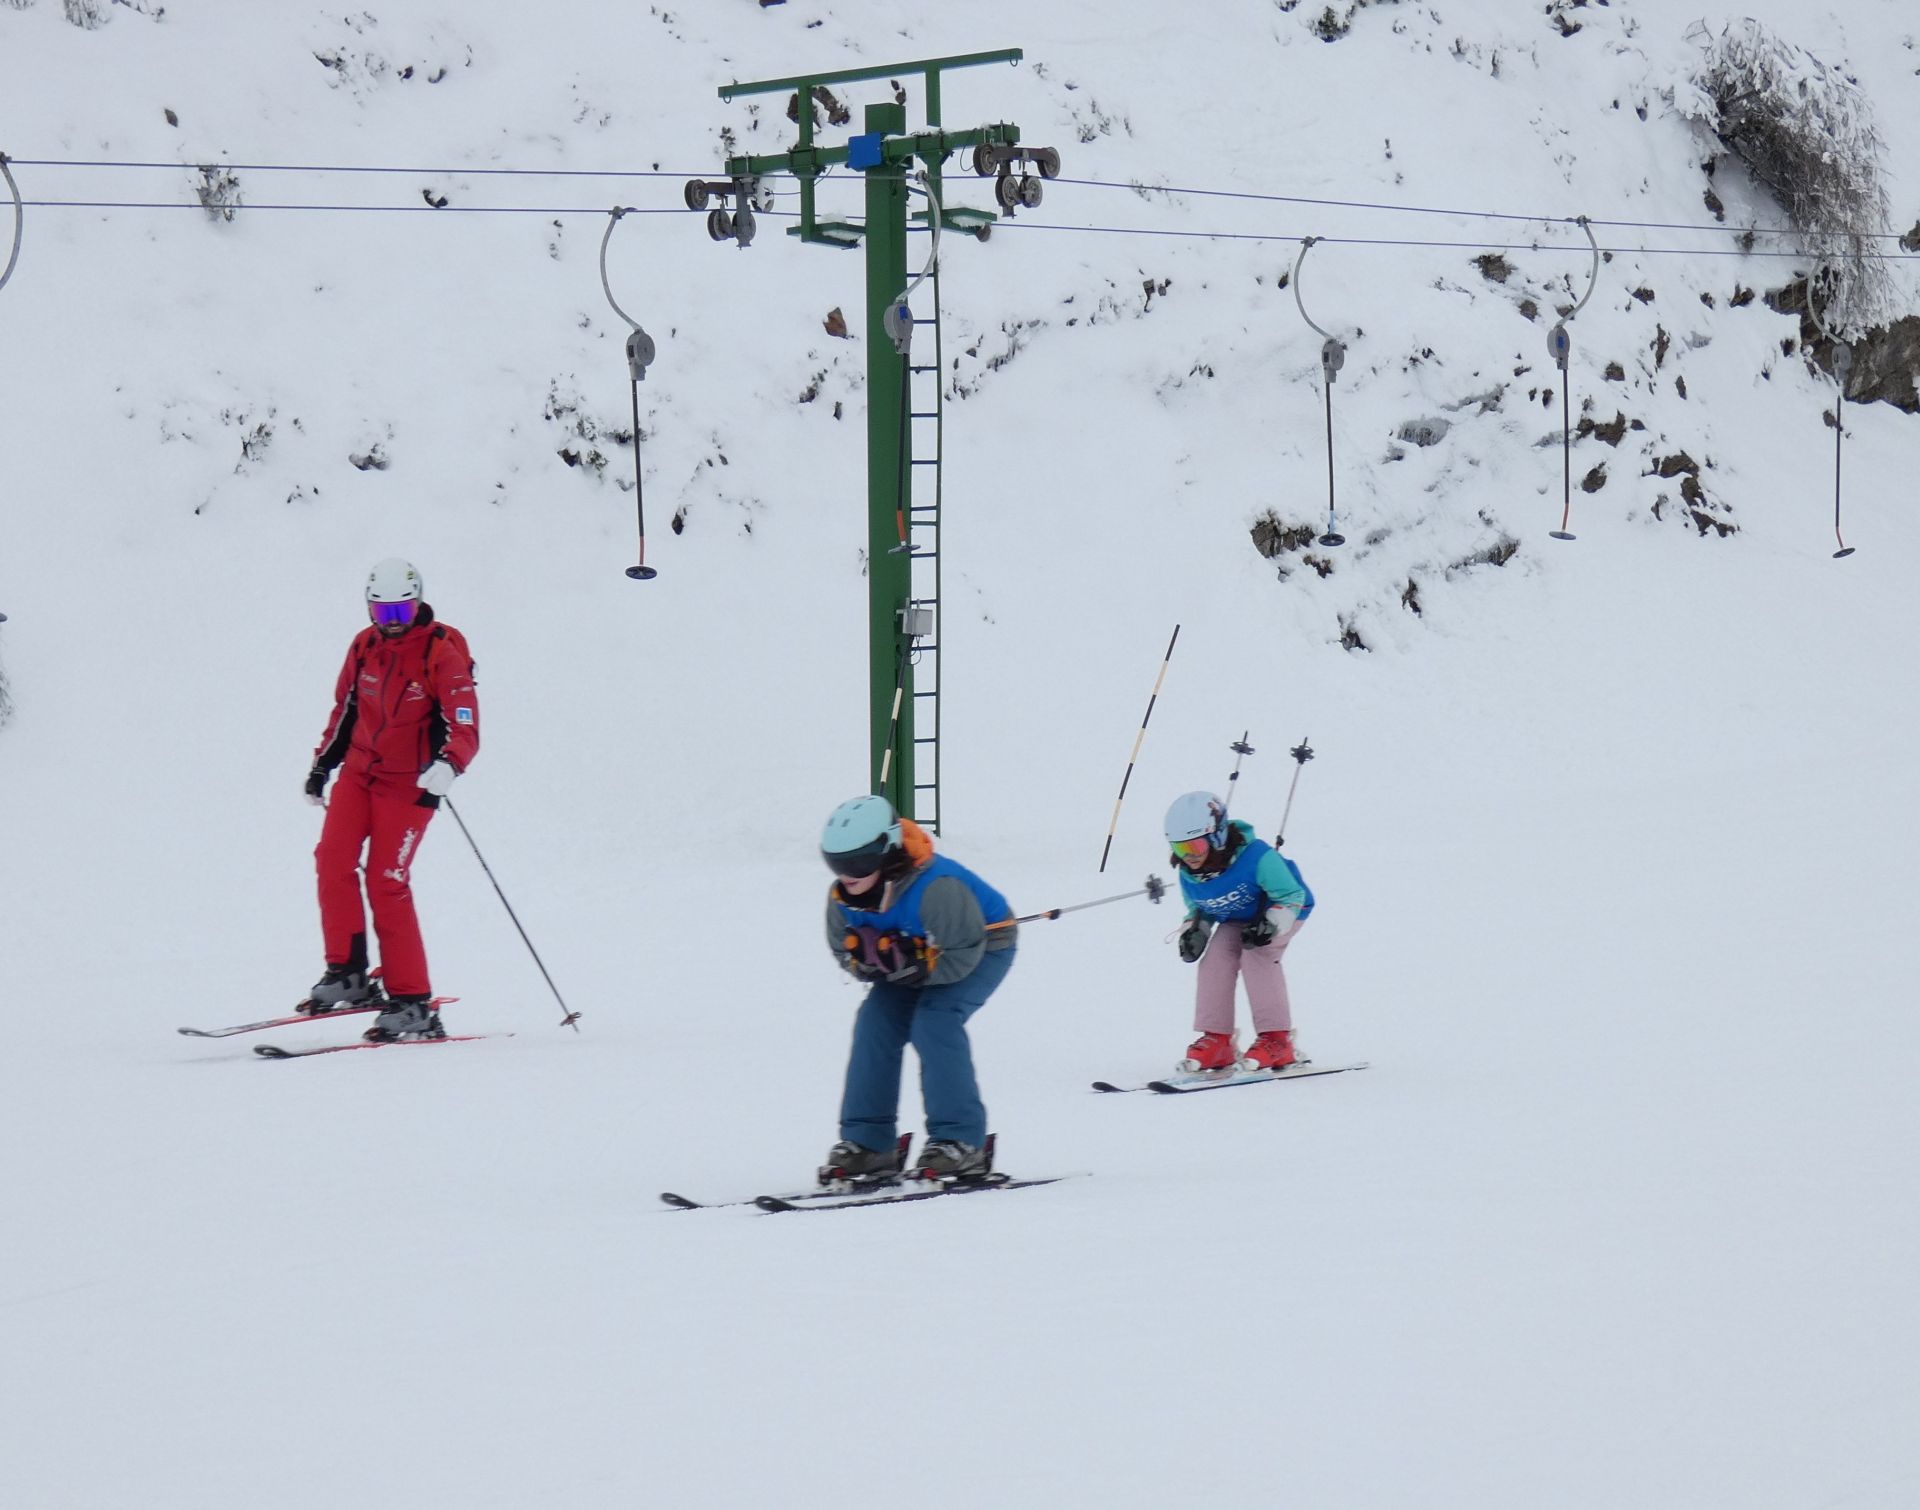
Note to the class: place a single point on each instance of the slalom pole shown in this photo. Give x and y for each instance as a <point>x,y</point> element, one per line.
<point>1153,891</point>
<point>1138,739</point>
<point>893,719</point>
<point>572,1019</point>
<point>1302,753</point>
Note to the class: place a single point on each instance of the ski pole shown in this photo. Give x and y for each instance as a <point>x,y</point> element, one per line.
<point>1138,739</point>
<point>572,1019</point>
<point>1241,749</point>
<point>1154,890</point>
<point>1302,753</point>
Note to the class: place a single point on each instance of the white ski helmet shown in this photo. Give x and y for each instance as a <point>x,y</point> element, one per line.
<point>394,581</point>
<point>860,834</point>
<point>1197,815</point>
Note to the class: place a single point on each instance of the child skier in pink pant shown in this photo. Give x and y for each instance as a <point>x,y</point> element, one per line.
<point>1245,901</point>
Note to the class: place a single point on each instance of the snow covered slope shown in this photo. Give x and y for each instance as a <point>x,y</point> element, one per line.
<point>1613,839</point>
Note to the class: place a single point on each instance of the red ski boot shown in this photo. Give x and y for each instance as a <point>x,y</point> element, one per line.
<point>1211,1051</point>
<point>1270,1051</point>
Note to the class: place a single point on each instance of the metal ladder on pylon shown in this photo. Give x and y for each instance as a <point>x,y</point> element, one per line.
<point>926,406</point>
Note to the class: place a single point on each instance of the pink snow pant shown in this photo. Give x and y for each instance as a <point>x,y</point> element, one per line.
<point>1228,960</point>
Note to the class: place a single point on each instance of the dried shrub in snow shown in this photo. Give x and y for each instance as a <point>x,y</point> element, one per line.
<point>88,15</point>
<point>1807,133</point>
<point>219,192</point>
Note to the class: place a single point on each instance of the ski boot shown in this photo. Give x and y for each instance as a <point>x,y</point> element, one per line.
<point>950,1159</point>
<point>856,1164</point>
<point>341,986</point>
<point>1211,1051</point>
<point>406,1017</point>
<point>1270,1051</point>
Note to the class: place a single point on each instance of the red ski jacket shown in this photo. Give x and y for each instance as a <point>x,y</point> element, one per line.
<point>401,704</point>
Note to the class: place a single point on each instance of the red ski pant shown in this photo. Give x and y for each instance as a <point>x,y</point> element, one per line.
<point>1228,961</point>
<point>389,830</point>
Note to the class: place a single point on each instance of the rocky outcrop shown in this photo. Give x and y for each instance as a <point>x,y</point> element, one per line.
<point>1886,360</point>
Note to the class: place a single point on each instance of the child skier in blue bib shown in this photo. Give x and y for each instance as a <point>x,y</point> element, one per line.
<point>933,941</point>
<point>1245,901</point>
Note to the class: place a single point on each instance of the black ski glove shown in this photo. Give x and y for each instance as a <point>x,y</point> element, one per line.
<point>1260,931</point>
<point>903,960</point>
<point>316,786</point>
<point>875,956</point>
<point>1193,939</point>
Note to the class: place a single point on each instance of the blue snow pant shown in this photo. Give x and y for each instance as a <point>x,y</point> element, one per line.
<point>934,1020</point>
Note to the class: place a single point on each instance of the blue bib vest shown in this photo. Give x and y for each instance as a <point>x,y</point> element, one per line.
<point>904,915</point>
<point>1234,895</point>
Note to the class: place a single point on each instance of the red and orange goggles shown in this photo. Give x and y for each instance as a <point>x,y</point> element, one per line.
<point>1192,851</point>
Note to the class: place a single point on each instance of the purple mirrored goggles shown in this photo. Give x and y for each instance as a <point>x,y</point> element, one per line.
<point>387,615</point>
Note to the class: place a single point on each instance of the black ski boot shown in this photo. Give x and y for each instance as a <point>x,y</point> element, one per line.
<point>859,1165</point>
<point>949,1159</point>
<point>341,986</point>
<point>406,1017</point>
<point>346,984</point>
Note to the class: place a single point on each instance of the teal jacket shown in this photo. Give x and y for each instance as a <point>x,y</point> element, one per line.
<point>1256,877</point>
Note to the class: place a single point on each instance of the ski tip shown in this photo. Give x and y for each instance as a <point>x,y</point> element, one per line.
<point>1102,1085</point>
<point>773,1203</point>
<point>271,1051</point>
<point>679,1202</point>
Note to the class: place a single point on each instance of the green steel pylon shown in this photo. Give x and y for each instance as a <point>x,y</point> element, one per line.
<point>883,152</point>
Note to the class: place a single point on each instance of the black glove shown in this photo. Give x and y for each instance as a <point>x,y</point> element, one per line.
<point>903,960</point>
<point>872,955</point>
<point>1274,923</point>
<point>316,786</point>
<point>1193,939</point>
<point>1260,931</point>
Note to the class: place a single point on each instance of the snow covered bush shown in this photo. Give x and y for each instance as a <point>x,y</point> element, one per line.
<point>1807,133</point>
<point>218,190</point>
<point>89,15</point>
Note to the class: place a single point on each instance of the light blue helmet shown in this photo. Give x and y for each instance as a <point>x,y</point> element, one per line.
<point>1197,815</point>
<point>861,833</point>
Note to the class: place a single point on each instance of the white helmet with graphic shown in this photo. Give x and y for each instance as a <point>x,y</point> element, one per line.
<point>394,581</point>
<point>1197,815</point>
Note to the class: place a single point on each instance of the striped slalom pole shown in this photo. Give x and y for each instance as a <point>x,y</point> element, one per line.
<point>1138,739</point>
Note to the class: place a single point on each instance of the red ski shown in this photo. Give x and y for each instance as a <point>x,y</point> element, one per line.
<point>274,1051</point>
<point>285,1022</point>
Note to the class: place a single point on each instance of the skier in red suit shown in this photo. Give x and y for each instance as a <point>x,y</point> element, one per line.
<point>406,722</point>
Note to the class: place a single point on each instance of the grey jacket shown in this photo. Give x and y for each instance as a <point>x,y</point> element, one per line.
<point>950,920</point>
